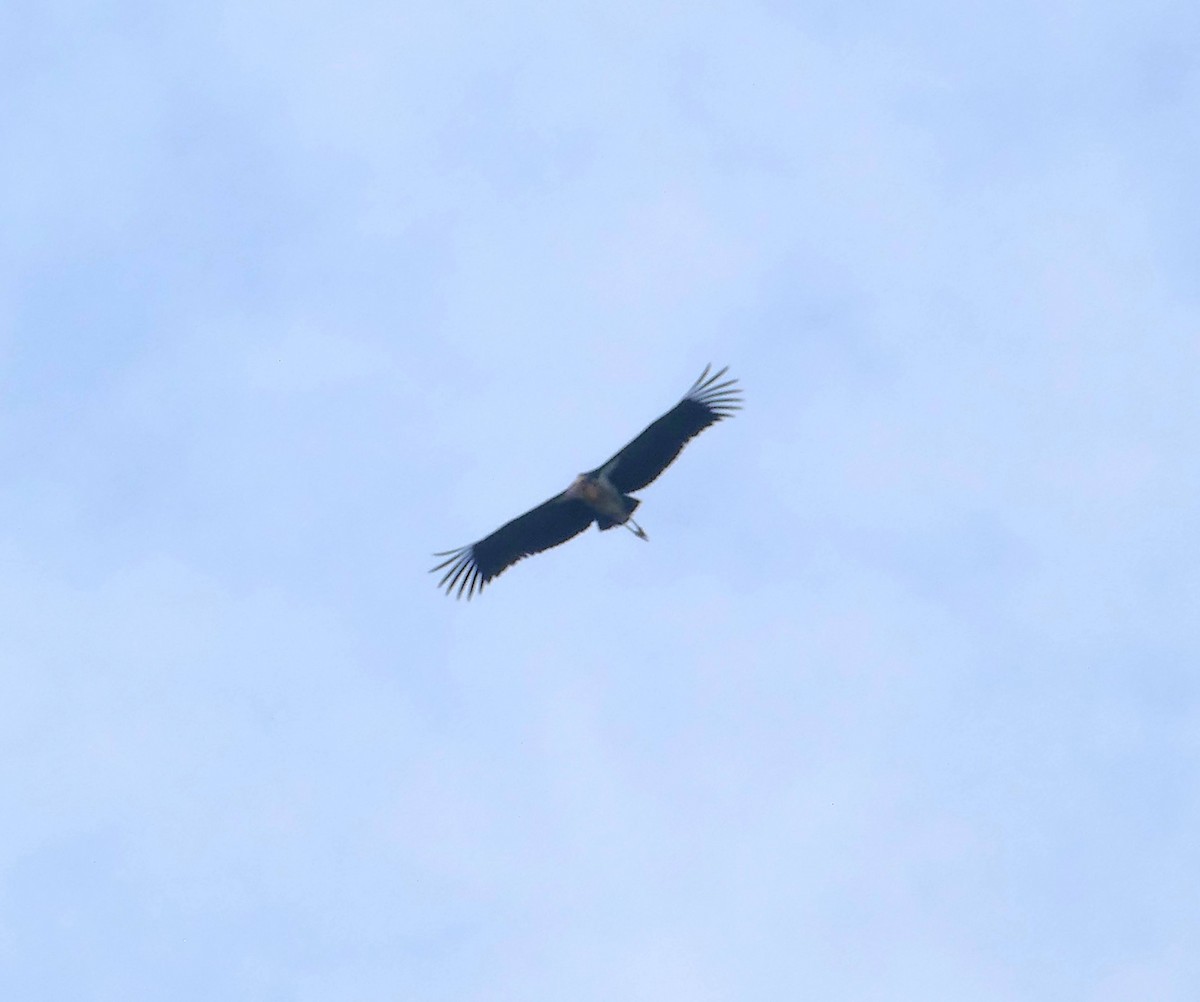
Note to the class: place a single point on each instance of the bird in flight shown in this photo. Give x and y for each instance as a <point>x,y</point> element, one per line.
<point>601,496</point>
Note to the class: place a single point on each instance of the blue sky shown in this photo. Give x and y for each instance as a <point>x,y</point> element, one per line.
<point>899,702</point>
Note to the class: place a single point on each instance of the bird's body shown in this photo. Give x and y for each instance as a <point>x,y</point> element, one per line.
<point>600,496</point>
<point>610,506</point>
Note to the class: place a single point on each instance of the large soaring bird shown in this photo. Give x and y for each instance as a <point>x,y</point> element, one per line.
<point>601,496</point>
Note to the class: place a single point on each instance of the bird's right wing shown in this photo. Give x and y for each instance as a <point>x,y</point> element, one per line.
<point>546,526</point>
<point>708,401</point>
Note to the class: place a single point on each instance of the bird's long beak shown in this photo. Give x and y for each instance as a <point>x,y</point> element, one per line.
<point>637,530</point>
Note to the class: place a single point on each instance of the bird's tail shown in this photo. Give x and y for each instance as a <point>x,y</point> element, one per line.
<point>630,504</point>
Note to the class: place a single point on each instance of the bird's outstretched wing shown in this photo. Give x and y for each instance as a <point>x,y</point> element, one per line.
<point>546,526</point>
<point>643,459</point>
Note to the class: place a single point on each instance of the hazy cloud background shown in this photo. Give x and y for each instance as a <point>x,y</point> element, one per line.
<point>900,702</point>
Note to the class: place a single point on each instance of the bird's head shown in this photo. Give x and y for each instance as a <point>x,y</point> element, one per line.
<point>583,487</point>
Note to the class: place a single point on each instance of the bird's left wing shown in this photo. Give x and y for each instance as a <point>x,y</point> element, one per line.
<point>546,526</point>
<point>642,460</point>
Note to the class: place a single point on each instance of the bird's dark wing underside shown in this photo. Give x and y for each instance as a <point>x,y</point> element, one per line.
<point>643,459</point>
<point>544,527</point>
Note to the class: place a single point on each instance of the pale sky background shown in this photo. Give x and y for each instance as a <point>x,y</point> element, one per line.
<point>900,702</point>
